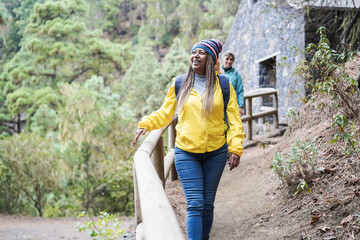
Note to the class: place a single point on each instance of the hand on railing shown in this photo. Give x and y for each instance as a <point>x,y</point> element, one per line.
<point>234,160</point>
<point>139,131</point>
<point>241,110</point>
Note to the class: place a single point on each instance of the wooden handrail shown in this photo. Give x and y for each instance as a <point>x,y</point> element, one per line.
<point>156,220</point>
<point>264,111</point>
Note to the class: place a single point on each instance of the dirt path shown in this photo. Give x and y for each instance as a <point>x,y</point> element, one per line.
<point>247,198</point>
<point>30,228</point>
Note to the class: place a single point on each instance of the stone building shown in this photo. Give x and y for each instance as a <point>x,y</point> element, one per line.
<point>264,37</point>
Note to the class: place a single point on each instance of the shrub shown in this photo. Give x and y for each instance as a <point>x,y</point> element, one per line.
<point>346,131</point>
<point>106,227</point>
<point>31,167</point>
<point>297,168</point>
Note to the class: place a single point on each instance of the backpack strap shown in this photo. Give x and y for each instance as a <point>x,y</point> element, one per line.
<point>225,88</point>
<point>178,83</point>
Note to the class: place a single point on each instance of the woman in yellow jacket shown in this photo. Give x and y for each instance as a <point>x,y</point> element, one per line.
<point>203,137</point>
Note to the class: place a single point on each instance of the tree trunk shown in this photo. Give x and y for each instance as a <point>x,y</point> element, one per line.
<point>157,46</point>
<point>125,11</point>
<point>38,197</point>
<point>19,124</point>
<point>130,17</point>
<point>85,152</point>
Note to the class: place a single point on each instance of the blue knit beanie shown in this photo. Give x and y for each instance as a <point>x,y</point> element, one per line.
<point>212,46</point>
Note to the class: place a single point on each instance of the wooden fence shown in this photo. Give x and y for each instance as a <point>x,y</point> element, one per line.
<point>264,110</point>
<point>156,220</point>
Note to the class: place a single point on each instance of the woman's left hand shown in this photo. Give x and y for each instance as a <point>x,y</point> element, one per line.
<point>139,131</point>
<point>234,160</point>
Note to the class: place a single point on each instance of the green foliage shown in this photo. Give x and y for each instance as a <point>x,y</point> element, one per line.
<point>291,113</point>
<point>120,189</point>
<point>137,86</point>
<point>44,120</point>
<point>176,62</point>
<point>30,169</point>
<point>159,15</point>
<point>106,227</point>
<point>303,186</point>
<point>19,100</point>
<point>298,168</point>
<point>35,102</point>
<point>345,131</point>
<point>190,20</point>
<point>147,88</point>
<point>118,18</point>
<point>323,72</point>
<point>8,29</point>
<point>357,215</point>
<point>58,46</point>
<point>218,19</point>
<point>88,121</point>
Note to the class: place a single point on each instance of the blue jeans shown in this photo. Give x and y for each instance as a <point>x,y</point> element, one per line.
<point>200,175</point>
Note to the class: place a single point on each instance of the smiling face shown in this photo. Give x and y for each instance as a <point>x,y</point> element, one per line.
<point>228,61</point>
<point>198,60</point>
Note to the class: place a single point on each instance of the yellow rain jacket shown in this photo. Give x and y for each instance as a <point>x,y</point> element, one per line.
<point>194,134</point>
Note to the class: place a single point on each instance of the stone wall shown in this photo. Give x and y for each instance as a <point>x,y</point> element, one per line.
<point>262,35</point>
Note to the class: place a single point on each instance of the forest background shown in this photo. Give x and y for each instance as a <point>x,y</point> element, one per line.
<point>75,76</point>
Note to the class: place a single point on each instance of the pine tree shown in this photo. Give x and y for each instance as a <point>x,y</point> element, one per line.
<point>58,46</point>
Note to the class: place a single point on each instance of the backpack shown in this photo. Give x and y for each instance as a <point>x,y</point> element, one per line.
<point>225,89</point>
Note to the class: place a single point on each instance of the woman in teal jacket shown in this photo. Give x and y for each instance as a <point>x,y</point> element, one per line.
<point>235,79</point>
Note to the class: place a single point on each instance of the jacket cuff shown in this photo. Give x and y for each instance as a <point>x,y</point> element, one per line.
<point>145,126</point>
<point>237,151</point>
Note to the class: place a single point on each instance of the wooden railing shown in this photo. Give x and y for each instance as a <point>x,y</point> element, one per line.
<point>155,218</point>
<point>264,110</point>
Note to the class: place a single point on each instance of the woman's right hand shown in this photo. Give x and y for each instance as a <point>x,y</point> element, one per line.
<point>234,160</point>
<point>137,135</point>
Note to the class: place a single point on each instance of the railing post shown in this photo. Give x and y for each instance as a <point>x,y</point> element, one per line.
<point>173,173</point>
<point>171,144</point>
<point>136,198</point>
<point>249,112</point>
<point>277,111</point>
<point>171,135</point>
<point>157,159</point>
<point>262,99</point>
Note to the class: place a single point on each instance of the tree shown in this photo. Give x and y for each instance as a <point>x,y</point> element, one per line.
<point>137,87</point>
<point>58,46</point>
<point>159,14</point>
<point>217,19</point>
<point>17,14</point>
<point>32,166</point>
<point>89,120</point>
<point>190,13</point>
<point>118,18</point>
<point>175,62</point>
